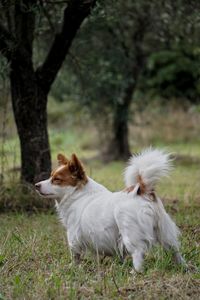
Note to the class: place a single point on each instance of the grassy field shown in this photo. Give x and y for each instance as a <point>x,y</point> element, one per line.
<point>35,261</point>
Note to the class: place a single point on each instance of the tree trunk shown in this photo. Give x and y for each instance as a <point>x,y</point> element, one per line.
<point>30,87</point>
<point>30,112</point>
<point>119,148</point>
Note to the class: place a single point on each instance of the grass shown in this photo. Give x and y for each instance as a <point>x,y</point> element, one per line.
<point>35,262</point>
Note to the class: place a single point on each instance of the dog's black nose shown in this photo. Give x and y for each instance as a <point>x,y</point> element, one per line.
<point>37,186</point>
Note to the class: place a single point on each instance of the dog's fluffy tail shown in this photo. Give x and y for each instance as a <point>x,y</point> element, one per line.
<point>147,168</point>
<point>143,172</point>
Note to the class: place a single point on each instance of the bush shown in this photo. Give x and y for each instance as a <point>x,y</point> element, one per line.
<point>22,197</point>
<point>175,73</point>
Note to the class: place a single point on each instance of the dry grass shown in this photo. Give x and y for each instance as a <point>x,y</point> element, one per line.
<point>35,262</point>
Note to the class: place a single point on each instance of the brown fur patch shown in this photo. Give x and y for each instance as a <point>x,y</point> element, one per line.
<point>142,185</point>
<point>129,189</point>
<point>142,189</point>
<point>70,172</point>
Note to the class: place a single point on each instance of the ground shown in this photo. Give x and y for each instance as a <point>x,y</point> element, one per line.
<point>35,262</point>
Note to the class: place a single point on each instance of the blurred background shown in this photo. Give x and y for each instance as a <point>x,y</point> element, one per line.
<point>105,79</point>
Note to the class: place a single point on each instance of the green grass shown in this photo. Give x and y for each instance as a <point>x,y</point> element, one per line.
<point>35,262</point>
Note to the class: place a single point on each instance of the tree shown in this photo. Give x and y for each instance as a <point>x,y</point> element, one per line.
<point>127,34</point>
<point>116,58</point>
<point>30,85</point>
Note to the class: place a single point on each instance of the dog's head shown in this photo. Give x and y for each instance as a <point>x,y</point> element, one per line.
<point>66,177</point>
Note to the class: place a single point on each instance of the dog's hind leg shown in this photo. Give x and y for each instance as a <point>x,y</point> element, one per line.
<point>137,252</point>
<point>138,259</point>
<point>176,254</point>
<point>136,233</point>
<point>179,259</point>
<point>168,233</point>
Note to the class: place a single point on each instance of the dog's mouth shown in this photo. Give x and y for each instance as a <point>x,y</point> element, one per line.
<point>45,195</point>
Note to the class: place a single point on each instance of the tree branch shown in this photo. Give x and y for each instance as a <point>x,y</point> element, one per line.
<point>25,24</point>
<point>56,2</point>
<point>7,42</point>
<point>119,38</point>
<point>16,43</point>
<point>7,8</point>
<point>47,16</point>
<point>74,14</point>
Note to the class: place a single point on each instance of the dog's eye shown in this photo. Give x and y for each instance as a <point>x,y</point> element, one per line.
<point>57,180</point>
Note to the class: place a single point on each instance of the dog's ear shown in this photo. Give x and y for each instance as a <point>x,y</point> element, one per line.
<point>62,160</point>
<point>76,167</point>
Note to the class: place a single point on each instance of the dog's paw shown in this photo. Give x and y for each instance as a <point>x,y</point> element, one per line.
<point>136,273</point>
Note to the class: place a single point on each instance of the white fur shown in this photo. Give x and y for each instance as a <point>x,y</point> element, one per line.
<point>150,164</point>
<point>120,222</point>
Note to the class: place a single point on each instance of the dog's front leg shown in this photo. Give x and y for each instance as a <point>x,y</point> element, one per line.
<point>74,246</point>
<point>75,255</point>
<point>138,259</point>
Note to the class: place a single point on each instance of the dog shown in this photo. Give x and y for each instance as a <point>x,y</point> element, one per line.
<point>108,223</point>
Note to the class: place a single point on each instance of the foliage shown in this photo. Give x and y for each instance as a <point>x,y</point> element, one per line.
<point>161,39</point>
<point>151,47</point>
<point>107,58</point>
<point>174,74</point>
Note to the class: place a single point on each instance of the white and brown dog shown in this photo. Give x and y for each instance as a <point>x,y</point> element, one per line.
<point>129,221</point>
